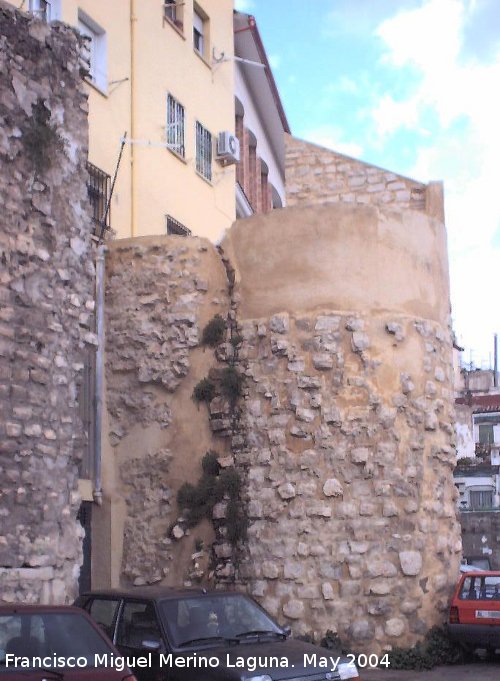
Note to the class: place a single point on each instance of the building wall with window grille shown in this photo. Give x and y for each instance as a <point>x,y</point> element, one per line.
<point>137,98</point>
<point>175,126</point>
<point>203,152</point>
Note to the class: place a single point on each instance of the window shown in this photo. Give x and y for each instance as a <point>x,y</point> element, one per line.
<point>175,227</point>
<point>172,10</point>
<point>98,188</point>
<point>481,499</point>
<point>200,30</point>
<point>95,51</point>
<point>103,611</point>
<point>138,623</point>
<point>47,10</point>
<point>203,151</point>
<point>486,434</point>
<point>175,126</point>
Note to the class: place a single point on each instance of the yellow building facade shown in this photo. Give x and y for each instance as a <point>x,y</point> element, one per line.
<point>161,74</point>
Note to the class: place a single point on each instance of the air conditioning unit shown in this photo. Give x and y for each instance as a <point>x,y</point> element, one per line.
<point>228,148</point>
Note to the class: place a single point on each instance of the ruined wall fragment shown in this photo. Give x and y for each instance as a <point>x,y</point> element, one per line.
<point>46,302</point>
<point>160,292</point>
<point>316,175</point>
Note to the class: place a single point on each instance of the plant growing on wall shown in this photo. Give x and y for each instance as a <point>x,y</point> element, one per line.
<point>204,391</point>
<point>231,384</point>
<point>214,485</point>
<point>214,331</point>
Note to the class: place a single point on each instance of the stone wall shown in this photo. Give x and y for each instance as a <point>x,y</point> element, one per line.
<point>344,437</point>
<point>160,292</point>
<point>46,294</point>
<point>315,175</point>
<point>348,412</point>
<point>481,536</point>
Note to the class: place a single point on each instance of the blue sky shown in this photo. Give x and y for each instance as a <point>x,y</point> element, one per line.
<point>413,86</point>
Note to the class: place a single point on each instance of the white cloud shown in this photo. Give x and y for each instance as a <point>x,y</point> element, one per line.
<point>428,37</point>
<point>456,92</point>
<point>244,5</point>
<point>275,61</point>
<point>330,137</point>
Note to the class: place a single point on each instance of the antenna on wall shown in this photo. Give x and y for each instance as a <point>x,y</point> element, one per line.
<point>221,59</point>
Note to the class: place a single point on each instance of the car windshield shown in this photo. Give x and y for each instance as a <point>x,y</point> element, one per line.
<point>480,587</point>
<point>214,617</point>
<point>47,640</point>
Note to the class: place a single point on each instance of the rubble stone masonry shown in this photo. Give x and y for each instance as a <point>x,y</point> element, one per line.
<point>315,175</point>
<point>160,292</point>
<point>46,303</point>
<point>346,442</point>
<point>349,420</point>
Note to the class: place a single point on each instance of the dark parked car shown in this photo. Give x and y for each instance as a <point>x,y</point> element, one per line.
<point>191,635</point>
<point>55,642</point>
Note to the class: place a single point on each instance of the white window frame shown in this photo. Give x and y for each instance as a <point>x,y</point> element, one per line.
<point>46,10</point>
<point>176,117</point>
<point>173,12</point>
<point>97,50</point>
<point>198,32</point>
<point>204,151</point>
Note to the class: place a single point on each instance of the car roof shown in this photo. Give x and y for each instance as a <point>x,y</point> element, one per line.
<point>14,608</point>
<point>155,592</point>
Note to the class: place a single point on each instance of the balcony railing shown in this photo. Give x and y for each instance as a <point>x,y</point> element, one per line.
<point>475,509</point>
<point>176,227</point>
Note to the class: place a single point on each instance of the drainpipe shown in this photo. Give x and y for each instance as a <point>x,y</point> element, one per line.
<point>495,361</point>
<point>99,373</point>
<point>133,19</point>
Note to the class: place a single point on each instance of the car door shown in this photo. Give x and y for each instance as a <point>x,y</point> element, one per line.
<point>479,599</point>
<point>104,612</point>
<point>138,634</point>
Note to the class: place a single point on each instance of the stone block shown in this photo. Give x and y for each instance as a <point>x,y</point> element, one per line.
<point>322,361</point>
<point>270,570</point>
<point>293,609</point>
<point>280,323</point>
<point>411,562</point>
<point>394,627</point>
<point>306,415</point>
<point>327,323</point>
<point>360,341</point>
<point>287,491</point>
<point>333,488</point>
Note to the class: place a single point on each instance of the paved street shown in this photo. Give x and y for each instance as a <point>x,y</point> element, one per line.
<point>481,671</point>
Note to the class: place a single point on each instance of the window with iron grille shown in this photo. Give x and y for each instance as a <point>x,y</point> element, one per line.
<point>175,126</point>
<point>98,187</point>
<point>203,151</point>
<point>176,227</point>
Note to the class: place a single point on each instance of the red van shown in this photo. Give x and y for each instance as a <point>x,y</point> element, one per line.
<point>56,642</point>
<point>474,620</point>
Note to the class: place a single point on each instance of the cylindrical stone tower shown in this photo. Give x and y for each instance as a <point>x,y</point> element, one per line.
<point>344,311</point>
